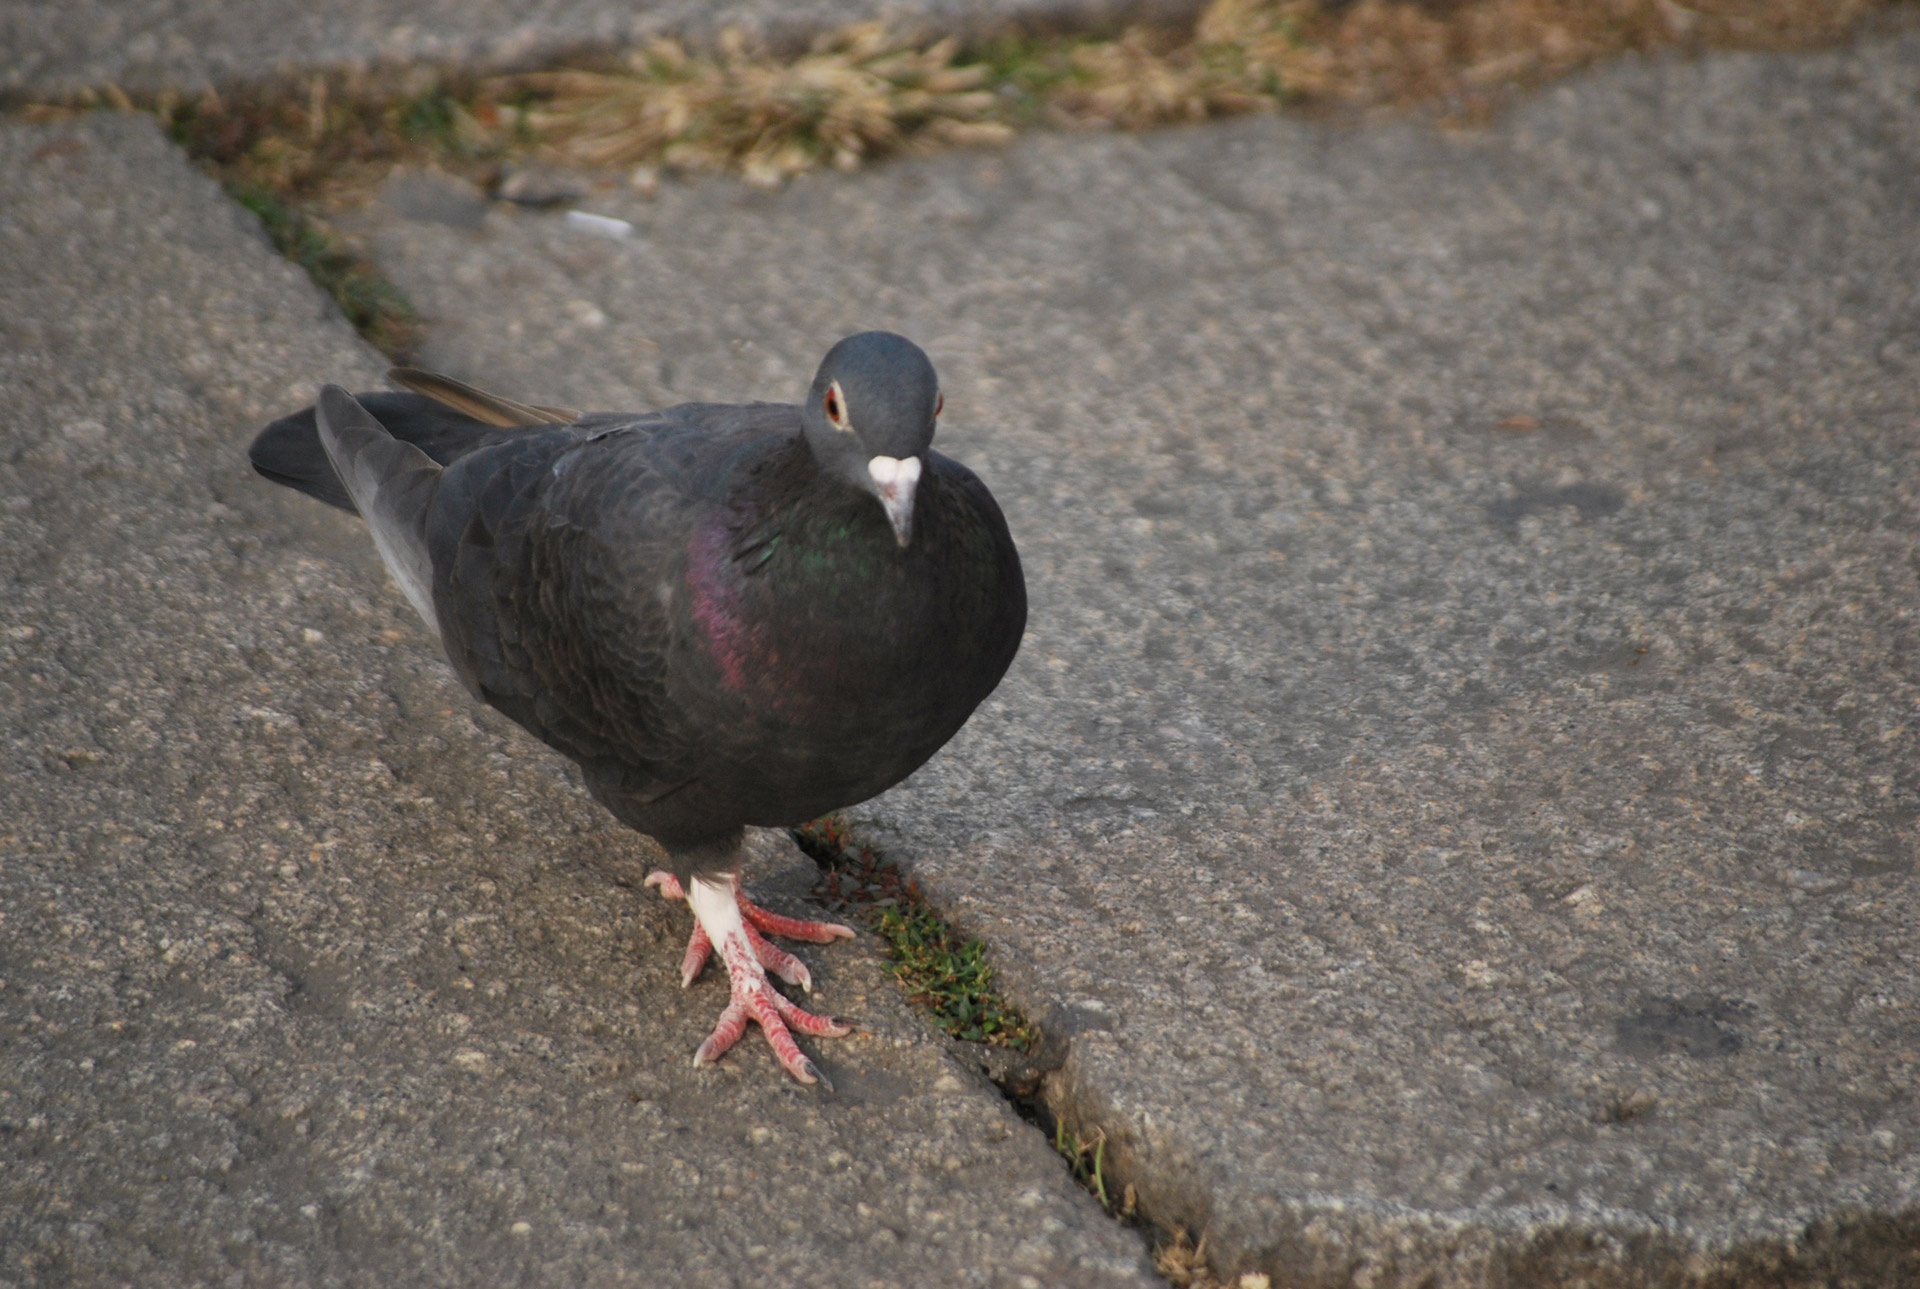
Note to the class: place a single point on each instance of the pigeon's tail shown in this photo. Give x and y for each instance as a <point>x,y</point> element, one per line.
<point>289,452</point>
<point>390,483</point>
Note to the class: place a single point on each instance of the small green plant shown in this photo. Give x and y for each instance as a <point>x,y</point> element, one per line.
<point>430,118</point>
<point>943,972</point>
<point>1023,71</point>
<point>1087,1157</point>
<point>950,977</point>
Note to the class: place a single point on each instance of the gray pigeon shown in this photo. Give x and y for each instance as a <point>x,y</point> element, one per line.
<point>726,614</point>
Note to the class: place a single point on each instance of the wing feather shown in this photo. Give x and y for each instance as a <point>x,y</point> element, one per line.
<point>392,485</point>
<point>491,409</point>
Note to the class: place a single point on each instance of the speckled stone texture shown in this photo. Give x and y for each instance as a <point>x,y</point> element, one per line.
<point>52,47</point>
<point>1458,795</point>
<point>312,971</point>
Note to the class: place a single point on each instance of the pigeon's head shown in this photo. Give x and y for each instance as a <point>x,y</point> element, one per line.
<point>869,419</point>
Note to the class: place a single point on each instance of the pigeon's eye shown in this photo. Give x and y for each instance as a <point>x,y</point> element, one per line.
<point>836,407</point>
<point>939,404</point>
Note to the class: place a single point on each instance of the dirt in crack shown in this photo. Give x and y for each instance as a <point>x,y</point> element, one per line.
<point>948,978</point>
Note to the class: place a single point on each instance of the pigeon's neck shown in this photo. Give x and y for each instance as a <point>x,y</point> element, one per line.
<point>785,606</point>
<point>799,579</point>
<point>794,519</point>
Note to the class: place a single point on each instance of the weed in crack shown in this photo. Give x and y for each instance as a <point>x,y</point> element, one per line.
<point>1183,1261</point>
<point>375,307</point>
<point>1087,1158</point>
<point>279,156</point>
<point>944,973</point>
<point>1176,1254</point>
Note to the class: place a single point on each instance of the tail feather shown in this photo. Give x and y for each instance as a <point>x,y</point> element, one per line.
<point>391,484</point>
<point>288,451</point>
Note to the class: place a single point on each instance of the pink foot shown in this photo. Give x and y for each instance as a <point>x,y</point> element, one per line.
<point>759,924</point>
<point>724,915</point>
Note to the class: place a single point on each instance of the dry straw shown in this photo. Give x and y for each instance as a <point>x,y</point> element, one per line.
<point>861,92</point>
<point>855,94</point>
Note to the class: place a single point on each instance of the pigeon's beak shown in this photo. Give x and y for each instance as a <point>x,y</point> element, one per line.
<point>894,481</point>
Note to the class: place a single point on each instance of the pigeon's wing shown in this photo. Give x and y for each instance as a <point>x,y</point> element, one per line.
<point>490,409</point>
<point>559,563</point>
<point>392,484</point>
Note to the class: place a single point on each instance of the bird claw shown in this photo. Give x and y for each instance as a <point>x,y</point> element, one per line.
<point>779,961</point>
<point>699,949</point>
<point>749,956</point>
<point>753,998</point>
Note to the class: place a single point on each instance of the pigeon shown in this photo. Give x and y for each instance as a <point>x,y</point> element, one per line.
<point>726,614</point>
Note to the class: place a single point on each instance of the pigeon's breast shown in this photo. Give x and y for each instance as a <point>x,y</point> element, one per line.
<point>739,645</point>
<point>823,621</point>
<point>819,661</point>
<point>789,624</point>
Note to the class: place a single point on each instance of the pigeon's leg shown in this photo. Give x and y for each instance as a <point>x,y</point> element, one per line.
<point>716,909</point>
<point>759,925</point>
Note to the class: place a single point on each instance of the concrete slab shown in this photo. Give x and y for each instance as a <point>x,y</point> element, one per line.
<point>54,47</point>
<point>310,972</point>
<point>1459,791</point>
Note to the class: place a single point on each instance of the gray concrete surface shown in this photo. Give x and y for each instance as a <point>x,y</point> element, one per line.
<point>55,47</point>
<point>311,972</point>
<point>1458,796</point>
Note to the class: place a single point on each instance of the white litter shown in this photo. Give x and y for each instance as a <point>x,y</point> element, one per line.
<point>599,225</point>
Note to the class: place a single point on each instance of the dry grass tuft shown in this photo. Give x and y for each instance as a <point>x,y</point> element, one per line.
<point>1460,55</point>
<point>1380,52</point>
<point>1184,1264</point>
<point>1242,56</point>
<point>856,94</point>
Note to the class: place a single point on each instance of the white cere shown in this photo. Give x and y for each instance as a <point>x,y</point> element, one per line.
<point>892,470</point>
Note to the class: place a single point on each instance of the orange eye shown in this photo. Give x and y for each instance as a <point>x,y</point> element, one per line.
<point>939,404</point>
<point>833,408</point>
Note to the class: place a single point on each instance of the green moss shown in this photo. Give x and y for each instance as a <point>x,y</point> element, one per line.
<point>431,117</point>
<point>945,974</point>
<point>950,976</point>
<point>373,305</point>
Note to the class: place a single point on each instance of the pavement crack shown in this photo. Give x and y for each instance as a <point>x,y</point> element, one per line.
<point>949,980</point>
